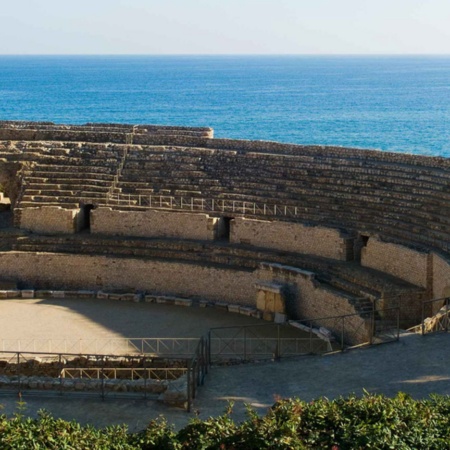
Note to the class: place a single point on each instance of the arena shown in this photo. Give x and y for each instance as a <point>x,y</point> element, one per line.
<point>286,233</point>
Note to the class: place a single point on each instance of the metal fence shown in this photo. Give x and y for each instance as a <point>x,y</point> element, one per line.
<point>316,336</point>
<point>121,373</point>
<point>106,375</point>
<point>372,327</point>
<point>197,204</point>
<point>265,341</point>
<point>198,367</point>
<point>439,321</point>
<point>183,347</point>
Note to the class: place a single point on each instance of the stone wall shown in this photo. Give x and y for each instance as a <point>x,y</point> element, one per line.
<point>62,271</point>
<point>288,236</point>
<point>153,223</point>
<point>307,298</point>
<point>50,219</point>
<point>441,279</point>
<point>396,260</point>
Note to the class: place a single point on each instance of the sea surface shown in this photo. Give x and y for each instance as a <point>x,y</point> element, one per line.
<point>390,103</point>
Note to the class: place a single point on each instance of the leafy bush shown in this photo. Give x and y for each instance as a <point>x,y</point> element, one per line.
<point>371,422</point>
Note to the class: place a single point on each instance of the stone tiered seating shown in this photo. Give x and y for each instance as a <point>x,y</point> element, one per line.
<point>400,201</point>
<point>150,171</point>
<point>84,174</point>
<point>91,132</point>
<point>403,198</point>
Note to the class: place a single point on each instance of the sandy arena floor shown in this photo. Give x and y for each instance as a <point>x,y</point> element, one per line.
<point>417,365</point>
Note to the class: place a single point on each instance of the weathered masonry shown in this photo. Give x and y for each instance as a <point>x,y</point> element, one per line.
<point>304,231</point>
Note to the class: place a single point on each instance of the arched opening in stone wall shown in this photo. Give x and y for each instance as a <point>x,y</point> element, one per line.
<point>84,217</point>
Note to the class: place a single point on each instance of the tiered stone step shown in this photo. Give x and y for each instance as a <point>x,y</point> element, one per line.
<point>362,284</point>
<point>331,187</point>
<point>399,201</point>
<point>95,132</point>
<point>85,174</point>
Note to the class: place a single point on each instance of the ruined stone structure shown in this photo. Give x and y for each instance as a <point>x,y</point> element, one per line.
<point>307,231</point>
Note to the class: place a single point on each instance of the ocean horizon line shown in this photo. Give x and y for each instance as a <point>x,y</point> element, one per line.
<point>301,55</point>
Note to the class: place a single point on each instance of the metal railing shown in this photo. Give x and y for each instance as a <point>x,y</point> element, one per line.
<point>435,316</point>
<point>275,341</point>
<point>104,375</point>
<point>121,373</point>
<point>197,204</point>
<point>147,346</point>
<point>372,327</point>
<point>263,341</point>
<point>198,367</point>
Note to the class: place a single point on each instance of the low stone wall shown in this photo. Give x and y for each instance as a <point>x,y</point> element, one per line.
<point>396,260</point>
<point>153,223</point>
<point>63,271</point>
<point>288,236</point>
<point>83,384</point>
<point>50,219</point>
<point>232,290</point>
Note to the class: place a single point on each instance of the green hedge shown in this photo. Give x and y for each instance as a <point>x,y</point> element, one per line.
<point>371,422</point>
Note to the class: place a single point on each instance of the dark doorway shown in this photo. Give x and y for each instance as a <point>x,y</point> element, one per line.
<point>364,239</point>
<point>6,217</point>
<point>85,218</point>
<point>359,244</point>
<point>225,228</point>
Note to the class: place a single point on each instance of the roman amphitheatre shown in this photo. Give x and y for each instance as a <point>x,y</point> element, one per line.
<point>345,246</point>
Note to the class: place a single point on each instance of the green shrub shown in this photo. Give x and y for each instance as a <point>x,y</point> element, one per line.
<point>370,422</point>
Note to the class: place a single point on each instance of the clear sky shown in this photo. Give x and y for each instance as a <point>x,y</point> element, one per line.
<point>225,27</point>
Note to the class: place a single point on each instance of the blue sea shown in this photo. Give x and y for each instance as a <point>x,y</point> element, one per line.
<point>389,103</point>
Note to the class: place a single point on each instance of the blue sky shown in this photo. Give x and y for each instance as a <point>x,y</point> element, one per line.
<point>225,27</point>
